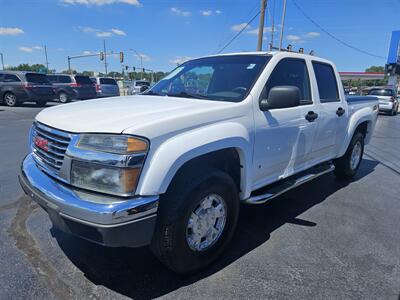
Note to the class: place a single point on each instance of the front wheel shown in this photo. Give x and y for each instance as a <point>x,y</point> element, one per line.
<point>347,165</point>
<point>196,221</point>
<point>10,100</point>
<point>63,97</point>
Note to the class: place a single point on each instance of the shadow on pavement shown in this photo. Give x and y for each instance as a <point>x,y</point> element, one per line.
<point>137,273</point>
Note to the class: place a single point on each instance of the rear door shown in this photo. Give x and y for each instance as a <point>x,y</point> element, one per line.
<point>39,85</point>
<point>333,116</point>
<point>284,137</point>
<point>85,87</point>
<point>109,87</point>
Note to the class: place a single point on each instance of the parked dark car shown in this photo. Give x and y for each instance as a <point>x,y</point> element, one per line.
<point>72,87</point>
<point>105,87</point>
<point>18,86</point>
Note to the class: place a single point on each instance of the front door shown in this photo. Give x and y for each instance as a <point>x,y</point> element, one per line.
<point>284,137</point>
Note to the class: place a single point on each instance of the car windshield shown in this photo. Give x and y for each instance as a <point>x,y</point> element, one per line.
<point>381,92</point>
<point>142,83</point>
<point>37,78</point>
<point>220,78</point>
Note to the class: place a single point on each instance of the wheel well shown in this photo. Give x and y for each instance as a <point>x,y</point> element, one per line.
<point>226,160</point>
<point>363,128</point>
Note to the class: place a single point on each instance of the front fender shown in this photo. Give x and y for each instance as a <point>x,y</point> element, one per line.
<point>161,166</point>
<point>360,116</point>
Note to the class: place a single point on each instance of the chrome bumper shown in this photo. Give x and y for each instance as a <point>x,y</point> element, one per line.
<point>105,214</point>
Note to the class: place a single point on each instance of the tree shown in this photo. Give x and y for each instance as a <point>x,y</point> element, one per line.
<point>379,69</point>
<point>30,68</point>
<point>87,73</point>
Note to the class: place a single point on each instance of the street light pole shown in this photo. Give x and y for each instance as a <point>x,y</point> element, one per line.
<point>141,62</point>
<point>69,65</point>
<point>47,61</point>
<point>105,56</point>
<point>282,25</point>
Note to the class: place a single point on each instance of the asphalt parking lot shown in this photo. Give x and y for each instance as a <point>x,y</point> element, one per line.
<point>326,239</point>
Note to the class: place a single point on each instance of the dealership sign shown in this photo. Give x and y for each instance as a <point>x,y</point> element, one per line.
<point>394,48</point>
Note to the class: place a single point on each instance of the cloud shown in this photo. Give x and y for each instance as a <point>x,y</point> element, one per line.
<point>101,2</point>
<point>294,39</point>
<point>240,26</point>
<point>266,30</point>
<point>118,31</point>
<point>25,49</point>
<point>87,29</point>
<point>103,34</point>
<point>312,34</point>
<point>179,12</point>
<point>10,31</point>
<point>86,52</point>
<point>218,12</point>
<point>179,60</point>
<point>37,47</point>
<point>144,57</point>
<point>206,13</point>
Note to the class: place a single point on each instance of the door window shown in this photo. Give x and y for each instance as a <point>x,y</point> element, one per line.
<point>292,72</point>
<point>326,81</point>
<point>11,78</point>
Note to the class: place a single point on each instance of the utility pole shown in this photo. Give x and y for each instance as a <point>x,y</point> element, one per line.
<point>272,25</point>
<point>261,25</point>
<point>47,61</point>
<point>282,25</point>
<point>2,60</point>
<point>141,62</point>
<point>69,65</point>
<point>105,56</point>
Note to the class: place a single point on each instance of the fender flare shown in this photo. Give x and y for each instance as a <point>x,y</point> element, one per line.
<point>169,156</point>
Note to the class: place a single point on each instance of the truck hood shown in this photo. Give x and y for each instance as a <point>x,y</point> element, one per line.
<point>139,114</point>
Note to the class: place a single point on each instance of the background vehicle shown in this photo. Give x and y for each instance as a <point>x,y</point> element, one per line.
<point>388,101</point>
<point>105,87</point>
<point>72,87</point>
<point>215,132</point>
<point>138,86</point>
<point>17,87</point>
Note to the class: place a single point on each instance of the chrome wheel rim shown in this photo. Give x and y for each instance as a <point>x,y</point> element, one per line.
<point>10,100</point>
<point>355,155</point>
<point>63,98</point>
<point>206,223</point>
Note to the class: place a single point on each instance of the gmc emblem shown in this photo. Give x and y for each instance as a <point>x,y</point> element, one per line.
<point>41,143</point>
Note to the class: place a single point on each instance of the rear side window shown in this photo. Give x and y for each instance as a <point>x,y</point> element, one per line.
<point>326,81</point>
<point>64,79</point>
<point>37,78</point>
<point>52,78</point>
<point>108,81</point>
<point>292,72</point>
<point>83,80</point>
<point>11,78</point>
<point>381,92</point>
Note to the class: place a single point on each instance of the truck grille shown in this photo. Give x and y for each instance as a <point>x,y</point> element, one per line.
<point>49,145</point>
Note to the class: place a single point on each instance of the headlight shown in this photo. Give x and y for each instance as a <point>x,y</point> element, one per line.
<point>104,179</point>
<point>119,144</point>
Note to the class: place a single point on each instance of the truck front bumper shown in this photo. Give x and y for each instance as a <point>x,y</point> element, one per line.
<point>106,220</point>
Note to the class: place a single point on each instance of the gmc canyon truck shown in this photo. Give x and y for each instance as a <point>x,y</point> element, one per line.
<point>170,167</point>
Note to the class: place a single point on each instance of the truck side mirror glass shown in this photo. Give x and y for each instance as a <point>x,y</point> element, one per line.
<point>283,96</point>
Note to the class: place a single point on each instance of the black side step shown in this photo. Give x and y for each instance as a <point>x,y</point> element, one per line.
<point>273,190</point>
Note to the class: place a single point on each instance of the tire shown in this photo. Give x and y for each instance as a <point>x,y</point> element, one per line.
<point>174,239</point>
<point>63,97</point>
<point>345,168</point>
<point>10,99</point>
<point>392,112</point>
<point>41,103</point>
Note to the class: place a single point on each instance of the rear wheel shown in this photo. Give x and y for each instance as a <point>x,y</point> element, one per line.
<point>63,97</point>
<point>10,99</point>
<point>41,103</point>
<point>347,165</point>
<point>197,218</point>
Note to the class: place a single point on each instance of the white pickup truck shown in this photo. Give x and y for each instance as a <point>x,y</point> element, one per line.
<point>169,168</point>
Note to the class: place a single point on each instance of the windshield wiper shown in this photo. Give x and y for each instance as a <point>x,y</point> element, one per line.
<point>186,95</point>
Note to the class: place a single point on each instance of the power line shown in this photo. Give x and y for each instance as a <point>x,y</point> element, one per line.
<point>332,36</point>
<point>239,32</point>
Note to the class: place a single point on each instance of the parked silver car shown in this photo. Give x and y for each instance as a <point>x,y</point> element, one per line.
<point>388,101</point>
<point>105,87</point>
<point>138,86</point>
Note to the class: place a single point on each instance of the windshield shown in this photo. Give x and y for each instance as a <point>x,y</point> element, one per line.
<point>221,78</point>
<point>381,92</point>
<point>142,83</point>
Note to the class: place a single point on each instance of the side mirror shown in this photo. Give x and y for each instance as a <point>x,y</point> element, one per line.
<point>283,96</point>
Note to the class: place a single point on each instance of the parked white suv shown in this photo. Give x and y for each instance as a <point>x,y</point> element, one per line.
<point>169,168</point>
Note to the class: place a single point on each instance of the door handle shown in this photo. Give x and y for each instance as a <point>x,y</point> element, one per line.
<point>311,116</point>
<point>340,111</point>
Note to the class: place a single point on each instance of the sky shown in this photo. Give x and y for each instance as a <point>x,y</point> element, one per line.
<point>166,32</point>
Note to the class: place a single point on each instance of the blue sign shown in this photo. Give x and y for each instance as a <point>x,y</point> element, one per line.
<point>394,48</point>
